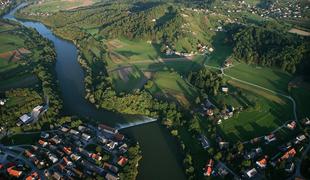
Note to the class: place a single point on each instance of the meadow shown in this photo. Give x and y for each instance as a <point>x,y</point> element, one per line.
<point>170,85</point>
<point>263,112</point>
<point>273,79</point>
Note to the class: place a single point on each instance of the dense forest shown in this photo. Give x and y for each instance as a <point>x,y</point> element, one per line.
<point>209,82</point>
<point>270,47</point>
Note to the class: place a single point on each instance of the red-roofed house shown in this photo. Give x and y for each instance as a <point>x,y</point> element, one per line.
<point>288,154</point>
<point>13,172</point>
<point>122,161</point>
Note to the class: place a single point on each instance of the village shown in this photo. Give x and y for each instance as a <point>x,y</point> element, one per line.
<point>68,153</point>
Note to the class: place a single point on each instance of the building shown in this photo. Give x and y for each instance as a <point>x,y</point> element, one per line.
<point>107,129</point>
<point>122,161</point>
<point>72,131</point>
<point>43,143</point>
<point>86,137</point>
<point>288,154</point>
<point>204,142</point>
<point>36,112</point>
<point>262,163</point>
<point>119,137</point>
<point>291,125</point>
<point>270,138</point>
<point>228,63</point>
<point>225,89</point>
<point>25,119</point>
<point>109,176</point>
<point>14,173</point>
<point>208,168</point>
<point>251,173</point>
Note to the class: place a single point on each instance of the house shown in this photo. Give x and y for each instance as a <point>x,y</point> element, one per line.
<point>262,163</point>
<point>301,138</point>
<point>107,129</point>
<point>75,157</point>
<point>109,176</point>
<point>45,135</point>
<point>102,139</point>
<point>67,162</point>
<point>111,145</point>
<point>270,138</point>
<point>288,154</point>
<point>208,168</point>
<point>251,173</point>
<point>72,131</point>
<point>13,172</point>
<point>64,129</point>
<point>228,63</point>
<point>25,119</point>
<point>43,143</point>
<point>82,128</point>
<point>291,125</point>
<point>223,145</point>
<point>67,150</point>
<point>210,112</point>
<point>33,176</point>
<point>55,140</point>
<point>119,137</point>
<point>95,156</point>
<point>53,158</point>
<point>225,89</point>
<point>56,176</point>
<point>122,161</point>
<point>86,137</point>
<point>204,141</point>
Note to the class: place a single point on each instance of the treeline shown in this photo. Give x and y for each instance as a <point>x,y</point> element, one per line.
<point>44,69</point>
<point>270,47</point>
<point>209,82</point>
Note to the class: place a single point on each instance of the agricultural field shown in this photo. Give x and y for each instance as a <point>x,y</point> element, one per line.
<point>273,79</point>
<point>52,6</point>
<point>170,85</point>
<point>302,97</point>
<point>263,112</point>
<point>13,54</point>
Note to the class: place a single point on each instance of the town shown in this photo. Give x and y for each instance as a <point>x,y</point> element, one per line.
<point>68,153</point>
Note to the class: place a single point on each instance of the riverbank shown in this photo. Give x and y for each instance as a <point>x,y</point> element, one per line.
<point>152,137</point>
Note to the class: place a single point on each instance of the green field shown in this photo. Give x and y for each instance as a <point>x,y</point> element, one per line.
<point>58,5</point>
<point>265,112</point>
<point>273,79</point>
<point>170,85</point>
<point>10,42</point>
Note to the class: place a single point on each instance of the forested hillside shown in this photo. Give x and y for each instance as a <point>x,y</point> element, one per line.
<point>270,47</point>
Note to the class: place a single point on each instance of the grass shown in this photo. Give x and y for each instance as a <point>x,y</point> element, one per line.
<point>221,51</point>
<point>171,85</point>
<point>58,5</point>
<point>265,112</point>
<point>127,79</point>
<point>273,79</point>
<point>10,42</point>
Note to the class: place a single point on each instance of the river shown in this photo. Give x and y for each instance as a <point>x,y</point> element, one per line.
<point>161,159</point>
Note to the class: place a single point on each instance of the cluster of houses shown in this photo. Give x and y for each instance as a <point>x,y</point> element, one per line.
<point>201,49</point>
<point>18,170</point>
<point>65,153</point>
<point>276,9</point>
<point>5,3</point>
<point>258,154</point>
<point>33,116</point>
